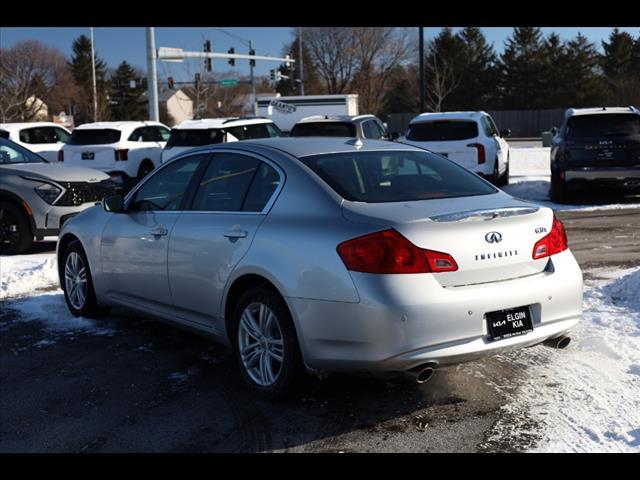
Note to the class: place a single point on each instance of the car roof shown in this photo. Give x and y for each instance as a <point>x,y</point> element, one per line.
<point>14,126</point>
<point>572,112</point>
<point>335,118</point>
<point>430,116</point>
<point>124,125</point>
<point>206,123</point>
<point>304,146</point>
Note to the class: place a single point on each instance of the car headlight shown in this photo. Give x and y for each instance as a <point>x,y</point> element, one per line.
<point>48,192</point>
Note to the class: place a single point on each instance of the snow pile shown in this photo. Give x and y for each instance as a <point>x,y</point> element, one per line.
<point>51,310</point>
<point>24,274</point>
<point>586,398</point>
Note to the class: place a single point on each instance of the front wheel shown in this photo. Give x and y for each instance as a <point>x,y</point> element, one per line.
<point>15,231</point>
<point>558,190</point>
<point>266,345</point>
<point>78,285</point>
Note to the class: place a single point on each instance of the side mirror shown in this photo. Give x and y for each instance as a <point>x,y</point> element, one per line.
<point>113,203</point>
<point>394,136</point>
<point>554,131</point>
<point>505,132</point>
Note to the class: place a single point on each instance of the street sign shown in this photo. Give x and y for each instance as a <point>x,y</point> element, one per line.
<point>229,82</point>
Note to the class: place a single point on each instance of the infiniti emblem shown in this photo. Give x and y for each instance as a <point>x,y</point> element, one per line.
<point>493,237</point>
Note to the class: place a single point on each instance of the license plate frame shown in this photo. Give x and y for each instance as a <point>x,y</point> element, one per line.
<point>509,322</point>
<point>88,156</point>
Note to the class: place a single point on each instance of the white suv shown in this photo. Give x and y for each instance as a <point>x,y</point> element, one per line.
<point>470,139</point>
<point>127,151</point>
<point>196,133</point>
<point>44,138</point>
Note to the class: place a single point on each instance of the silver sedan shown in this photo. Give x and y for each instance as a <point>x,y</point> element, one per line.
<point>320,254</point>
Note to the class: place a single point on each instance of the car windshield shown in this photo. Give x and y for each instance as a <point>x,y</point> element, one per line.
<point>395,176</point>
<point>11,152</point>
<point>442,130</point>
<point>604,125</point>
<point>94,136</point>
<point>195,137</point>
<point>324,129</point>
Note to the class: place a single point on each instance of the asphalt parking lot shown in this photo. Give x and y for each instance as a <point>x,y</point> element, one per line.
<point>146,387</point>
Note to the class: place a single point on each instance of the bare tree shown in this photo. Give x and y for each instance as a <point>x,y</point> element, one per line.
<point>332,51</point>
<point>28,71</point>
<point>442,80</point>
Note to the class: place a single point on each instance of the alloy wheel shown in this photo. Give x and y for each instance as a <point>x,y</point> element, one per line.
<point>75,280</point>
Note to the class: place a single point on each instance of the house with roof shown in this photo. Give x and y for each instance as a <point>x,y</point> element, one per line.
<point>178,104</point>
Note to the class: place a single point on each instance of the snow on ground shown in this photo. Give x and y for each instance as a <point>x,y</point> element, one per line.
<point>585,398</point>
<point>529,172</point>
<point>25,274</point>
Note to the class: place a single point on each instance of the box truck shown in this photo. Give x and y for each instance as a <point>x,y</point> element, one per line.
<point>285,112</point>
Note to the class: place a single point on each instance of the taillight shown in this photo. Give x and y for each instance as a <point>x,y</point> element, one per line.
<point>122,155</point>
<point>552,243</point>
<point>390,252</point>
<point>60,156</point>
<point>481,155</point>
<point>561,154</point>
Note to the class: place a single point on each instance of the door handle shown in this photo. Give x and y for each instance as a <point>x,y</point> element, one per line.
<point>235,234</point>
<point>159,231</point>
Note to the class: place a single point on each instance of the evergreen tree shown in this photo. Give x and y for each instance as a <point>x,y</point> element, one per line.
<point>621,67</point>
<point>555,73</point>
<point>584,85</point>
<point>80,65</point>
<point>127,103</point>
<point>522,70</point>
<point>444,69</point>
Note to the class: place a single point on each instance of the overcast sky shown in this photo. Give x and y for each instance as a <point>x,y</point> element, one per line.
<point>115,44</point>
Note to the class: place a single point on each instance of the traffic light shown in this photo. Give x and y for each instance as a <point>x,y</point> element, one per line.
<point>197,80</point>
<point>232,61</point>
<point>272,74</point>
<point>207,61</point>
<point>170,83</point>
<point>252,62</point>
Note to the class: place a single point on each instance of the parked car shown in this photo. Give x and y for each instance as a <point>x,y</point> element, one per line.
<point>470,139</point>
<point>38,197</point>
<point>207,131</point>
<point>358,126</point>
<point>596,147</point>
<point>329,254</point>
<point>127,151</point>
<point>44,138</point>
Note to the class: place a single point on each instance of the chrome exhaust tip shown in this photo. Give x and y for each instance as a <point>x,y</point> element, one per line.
<point>421,373</point>
<point>560,342</point>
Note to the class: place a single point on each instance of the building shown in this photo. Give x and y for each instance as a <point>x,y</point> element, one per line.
<point>178,105</point>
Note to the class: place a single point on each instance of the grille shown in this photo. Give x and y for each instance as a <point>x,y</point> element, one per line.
<point>78,193</point>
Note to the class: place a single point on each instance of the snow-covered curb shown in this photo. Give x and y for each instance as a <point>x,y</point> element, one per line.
<point>585,398</point>
<point>24,274</point>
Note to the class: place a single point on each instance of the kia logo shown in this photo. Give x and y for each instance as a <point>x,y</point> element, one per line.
<point>493,237</point>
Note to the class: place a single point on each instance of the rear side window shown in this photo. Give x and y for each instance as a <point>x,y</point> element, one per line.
<point>400,176</point>
<point>604,125</point>
<point>195,137</point>
<point>442,130</point>
<point>262,187</point>
<point>324,129</point>
<point>103,136</point>
<point>260,130</point>
<point>225,184</point>
<point>40,135</point>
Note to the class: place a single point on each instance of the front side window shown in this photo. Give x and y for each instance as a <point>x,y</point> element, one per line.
<point>94,136</point>
<point>225,183</point>
<point>381,128</point>
<point>13,153</point>
<point>442,130</point>
<point>39,135</point>
<point>165,190</point>
<point>62,135</point>
<point>368,129</point>
<point>259,130</point>
<point>162,134</point>
<point>395,176</point>
<point>196,137</point>
<point>144,134</point>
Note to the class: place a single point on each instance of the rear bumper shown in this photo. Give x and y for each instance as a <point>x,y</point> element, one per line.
<point>407,320</point>
<point>617,174</point>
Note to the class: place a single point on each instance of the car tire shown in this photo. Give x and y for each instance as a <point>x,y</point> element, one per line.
<point>504,180</point>
<point>15,231</point>
<point>145,169</point>
<point>558,190</point>
<point>495,177</point>
<point>272,336</point>
<point>81,301</point>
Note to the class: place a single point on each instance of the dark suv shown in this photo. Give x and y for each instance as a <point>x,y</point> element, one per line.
<point>596,147</point>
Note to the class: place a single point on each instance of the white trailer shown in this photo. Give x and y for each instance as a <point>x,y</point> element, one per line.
<point>285,112</point>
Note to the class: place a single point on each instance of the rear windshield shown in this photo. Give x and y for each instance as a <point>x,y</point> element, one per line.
<point>194,138</point>
<point>256,130</point>
<point>395,176</point>
<point>324,129</point>
<point>442,130</point>
<point>94,137</point>
<point>605,125</point>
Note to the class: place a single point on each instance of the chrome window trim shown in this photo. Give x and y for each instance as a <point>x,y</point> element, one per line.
<point>258,157</point>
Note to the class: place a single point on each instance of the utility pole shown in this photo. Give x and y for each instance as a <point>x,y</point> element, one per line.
<point>421,49</point>
<point>300,59</point>
<point>93,73</point>
<point>152,77</point>
<point>253,83</point>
